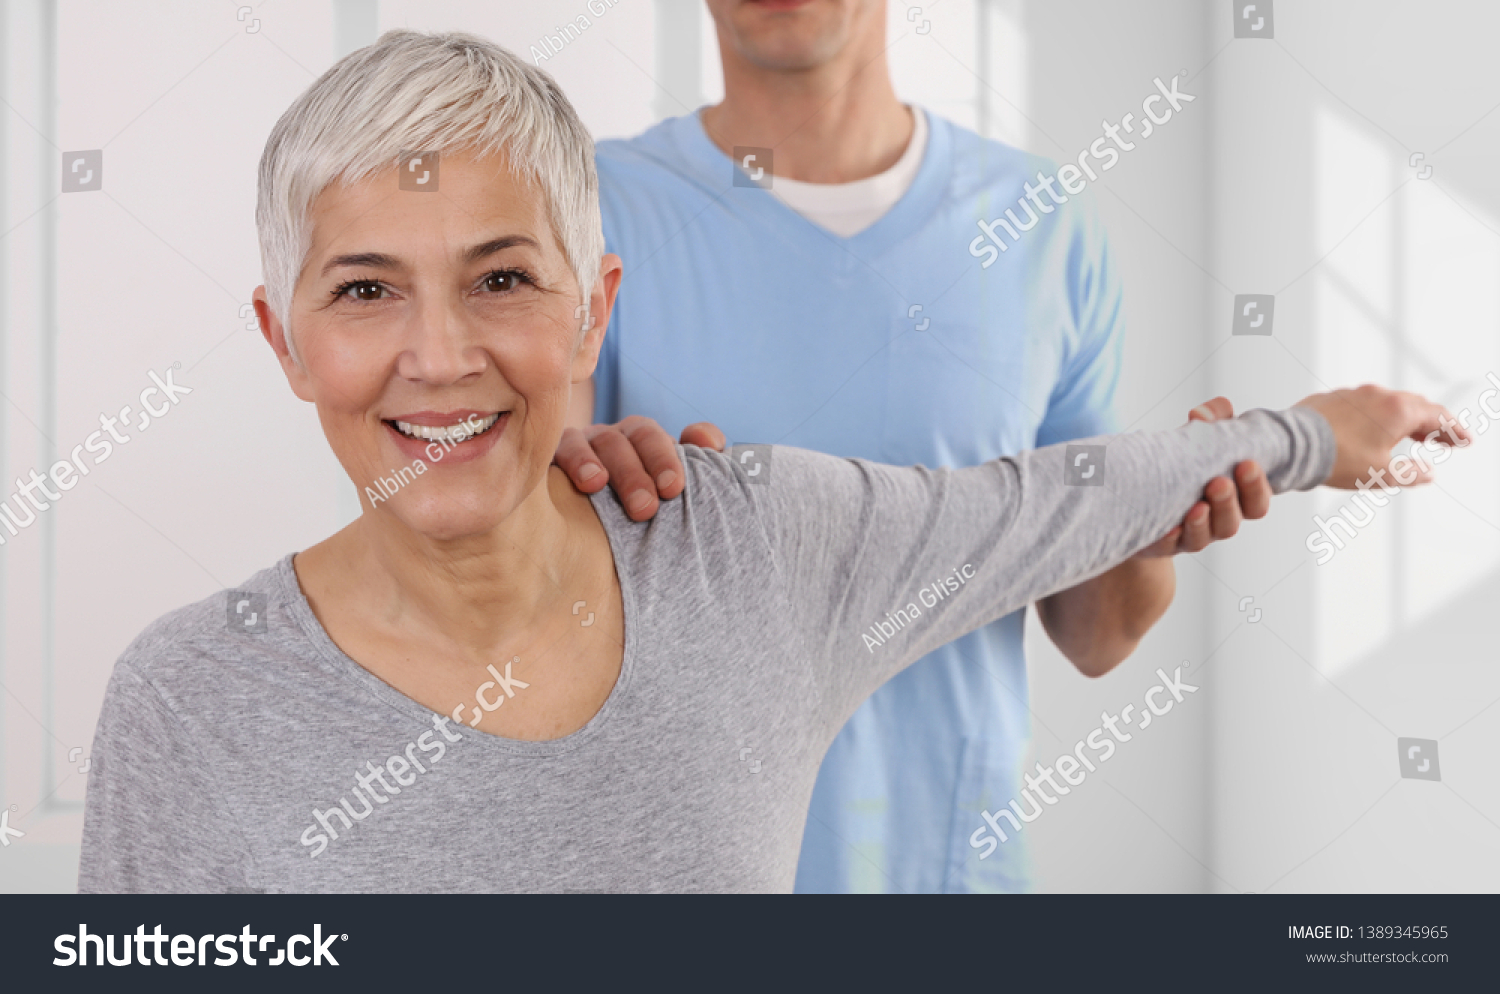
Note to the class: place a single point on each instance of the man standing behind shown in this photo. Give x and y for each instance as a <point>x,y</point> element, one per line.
<point>798,271</point>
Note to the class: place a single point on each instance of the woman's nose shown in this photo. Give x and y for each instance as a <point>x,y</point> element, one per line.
<point>440,345</point>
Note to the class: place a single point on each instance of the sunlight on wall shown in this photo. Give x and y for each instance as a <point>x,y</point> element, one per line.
<point>1354,311</point>
<point>1407,296</point>
<point>1451,256</point>
<point>964,60</point>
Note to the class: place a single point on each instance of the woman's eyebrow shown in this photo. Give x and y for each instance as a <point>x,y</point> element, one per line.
<point>379,260</point>
<point>496,244</point>
<point>374,260</point>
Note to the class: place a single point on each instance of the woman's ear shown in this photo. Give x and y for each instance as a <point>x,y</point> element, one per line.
<point>275,335</point>
<point>596,319</point>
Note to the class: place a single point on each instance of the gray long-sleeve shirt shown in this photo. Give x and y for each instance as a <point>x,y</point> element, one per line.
<point>761,608</point>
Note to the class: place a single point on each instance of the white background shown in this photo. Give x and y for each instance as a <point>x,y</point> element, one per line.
<point>1289,174</point>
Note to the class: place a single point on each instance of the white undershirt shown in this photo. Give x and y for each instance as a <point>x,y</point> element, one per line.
<point>846,209</point>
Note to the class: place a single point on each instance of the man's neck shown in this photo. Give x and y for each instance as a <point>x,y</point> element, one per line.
<point>837,123</point>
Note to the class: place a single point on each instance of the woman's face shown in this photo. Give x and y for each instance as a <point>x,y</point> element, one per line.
<point>447,313</point>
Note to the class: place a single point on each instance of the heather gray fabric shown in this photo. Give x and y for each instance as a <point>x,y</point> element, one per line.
<point>749,604</point>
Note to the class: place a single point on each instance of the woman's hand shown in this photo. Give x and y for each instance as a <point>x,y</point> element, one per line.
<point>1370,420</point>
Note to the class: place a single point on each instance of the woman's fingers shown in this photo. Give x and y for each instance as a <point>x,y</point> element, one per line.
<point>1370,420</point>
<point>1435,420</point>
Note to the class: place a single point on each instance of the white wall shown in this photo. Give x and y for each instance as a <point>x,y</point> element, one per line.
<point>1141,824</point>
<point>1378,275</point>
<point>1276,179</point>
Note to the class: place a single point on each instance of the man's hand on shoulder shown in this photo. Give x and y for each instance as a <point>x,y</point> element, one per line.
<point>636,457</point>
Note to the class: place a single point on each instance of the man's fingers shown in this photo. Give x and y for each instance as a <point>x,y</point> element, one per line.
<point>1255,489</point>
<point>627,475</point>
<point>1218,409</point>
<point>636,457</point>
<point>705,435</point>
<point>1162,547</point>
<point>576,457</point>
<point>1196,534</point>
<point>657,453</point>
<point>1223,508</point>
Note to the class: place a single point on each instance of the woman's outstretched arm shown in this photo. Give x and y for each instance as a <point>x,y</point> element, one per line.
<point>884,564</point>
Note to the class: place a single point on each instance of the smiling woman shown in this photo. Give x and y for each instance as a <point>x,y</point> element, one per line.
<point>458,316</point>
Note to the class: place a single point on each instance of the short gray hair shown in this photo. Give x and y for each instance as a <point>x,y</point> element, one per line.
<point>413,91</point>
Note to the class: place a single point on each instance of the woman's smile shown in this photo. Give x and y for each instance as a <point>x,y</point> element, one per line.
<point>446,438</point>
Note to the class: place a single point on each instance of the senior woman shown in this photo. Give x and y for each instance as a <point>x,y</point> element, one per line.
<point>491,682</point>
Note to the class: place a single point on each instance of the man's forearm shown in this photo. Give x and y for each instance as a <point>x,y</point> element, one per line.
<point>1099,622</point>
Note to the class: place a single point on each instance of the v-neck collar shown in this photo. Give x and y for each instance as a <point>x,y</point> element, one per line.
<point>915,208</point>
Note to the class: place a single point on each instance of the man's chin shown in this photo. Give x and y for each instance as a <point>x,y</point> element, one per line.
<point>786,51</point>
<point>787,39</point>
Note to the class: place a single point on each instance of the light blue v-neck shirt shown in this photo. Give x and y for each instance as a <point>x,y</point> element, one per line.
<point>894,345</point>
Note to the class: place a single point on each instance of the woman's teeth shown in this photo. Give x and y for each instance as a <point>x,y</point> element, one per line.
<point>461,432</point>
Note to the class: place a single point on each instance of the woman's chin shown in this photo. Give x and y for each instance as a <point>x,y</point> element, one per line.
<point>448,518</point>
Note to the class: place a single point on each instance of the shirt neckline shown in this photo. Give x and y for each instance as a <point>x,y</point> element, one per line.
<point>916,207</point>
<point>881,192</point>
<point>342,665</point>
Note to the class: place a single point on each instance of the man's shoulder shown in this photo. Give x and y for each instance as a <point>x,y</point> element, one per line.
<point>659,177</point>
<point>988,176</point>
<point>985,160</point>
<point>659,149</point>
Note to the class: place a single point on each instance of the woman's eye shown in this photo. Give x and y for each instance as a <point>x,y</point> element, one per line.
<point>364,291</point>
<point>502,282</point>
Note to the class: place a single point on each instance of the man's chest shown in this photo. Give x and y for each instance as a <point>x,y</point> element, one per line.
<point>846,362</point>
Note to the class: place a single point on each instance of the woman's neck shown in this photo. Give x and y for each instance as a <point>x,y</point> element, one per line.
<point>474,594</point>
